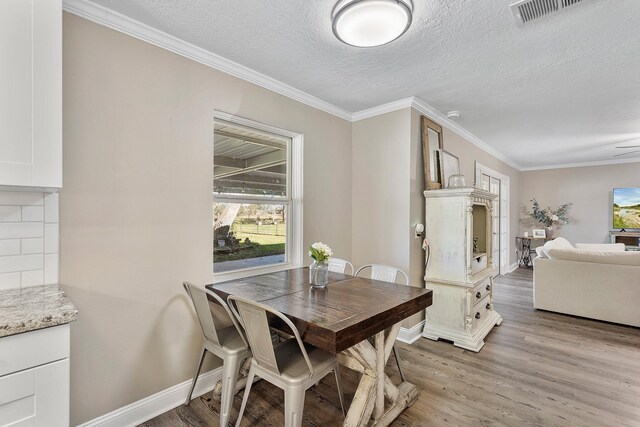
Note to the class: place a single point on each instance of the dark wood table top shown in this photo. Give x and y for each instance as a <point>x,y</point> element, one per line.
<point>349,310</point>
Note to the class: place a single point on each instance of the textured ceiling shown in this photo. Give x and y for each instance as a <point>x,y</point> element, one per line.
<point>563,89</point>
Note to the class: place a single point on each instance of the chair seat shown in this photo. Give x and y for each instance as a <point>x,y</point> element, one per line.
<point>292,365</point>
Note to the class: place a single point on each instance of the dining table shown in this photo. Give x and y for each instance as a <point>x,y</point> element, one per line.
<point>355,318</point>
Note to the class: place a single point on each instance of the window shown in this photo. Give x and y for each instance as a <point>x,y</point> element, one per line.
<point>256,195</point>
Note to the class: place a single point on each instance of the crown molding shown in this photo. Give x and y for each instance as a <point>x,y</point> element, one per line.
<point>428,110</point>
<point>436,115</point>
<point>119,22</point>
<point>580,165</point>
<point>382,109</point>
<point>124,24</point>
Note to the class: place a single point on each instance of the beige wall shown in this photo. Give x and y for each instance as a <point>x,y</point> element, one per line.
<point>380,185</point>
<point>588,188</point>
<point>136,208</point>
<point>416,210</point>
<point>387,195</point>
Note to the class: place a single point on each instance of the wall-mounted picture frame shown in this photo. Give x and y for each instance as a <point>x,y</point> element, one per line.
<point>431,134</point>
<point>449,165</point>
<point>539,233</point>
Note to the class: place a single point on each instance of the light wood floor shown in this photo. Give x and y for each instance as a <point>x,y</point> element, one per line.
<point>537,368</point>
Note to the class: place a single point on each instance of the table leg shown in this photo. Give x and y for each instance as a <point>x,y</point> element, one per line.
<point>375,385</point>
<point>380,362</point>
<point>526,248</point>
<point>520,251</point>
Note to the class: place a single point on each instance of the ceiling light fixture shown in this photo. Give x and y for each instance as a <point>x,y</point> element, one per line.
<point>453,115</point>
<point>369,23</point>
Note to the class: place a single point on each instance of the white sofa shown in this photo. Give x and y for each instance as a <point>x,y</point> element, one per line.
<point>595,281</point>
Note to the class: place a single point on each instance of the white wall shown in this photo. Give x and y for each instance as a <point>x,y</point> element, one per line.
<point>29,236</point>
<point>588,188</point>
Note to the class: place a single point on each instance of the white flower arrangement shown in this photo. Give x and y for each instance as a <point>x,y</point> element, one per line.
<point>320,252</point>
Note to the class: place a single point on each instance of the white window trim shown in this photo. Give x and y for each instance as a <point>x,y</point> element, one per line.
<point>504,208</point>
<point>294,184</point>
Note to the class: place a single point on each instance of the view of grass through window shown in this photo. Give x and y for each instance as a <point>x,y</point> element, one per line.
<point>255,231</point>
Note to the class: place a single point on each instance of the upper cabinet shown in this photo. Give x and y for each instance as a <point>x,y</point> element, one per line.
<point>31,93</point>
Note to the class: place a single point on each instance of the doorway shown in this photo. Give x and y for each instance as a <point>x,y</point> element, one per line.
<point>497,183</point>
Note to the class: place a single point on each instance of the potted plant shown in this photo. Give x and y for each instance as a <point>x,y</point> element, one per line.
<point>549,217</point>
<point>319,269</point>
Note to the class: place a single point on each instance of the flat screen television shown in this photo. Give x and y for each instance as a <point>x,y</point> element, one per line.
<point>626,208</point>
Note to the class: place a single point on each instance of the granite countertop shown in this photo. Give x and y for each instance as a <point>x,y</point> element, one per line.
<point>32,308</point>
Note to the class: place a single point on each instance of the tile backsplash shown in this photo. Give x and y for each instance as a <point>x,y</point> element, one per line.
<point>29,239</point>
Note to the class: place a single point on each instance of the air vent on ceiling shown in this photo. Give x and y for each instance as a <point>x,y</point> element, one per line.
<point>529,10</point>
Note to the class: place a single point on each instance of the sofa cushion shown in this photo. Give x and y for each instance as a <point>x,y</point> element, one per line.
<point>557,243</point>
<point>541,253</point>
<point>617,258</point>
<point>601,247</point>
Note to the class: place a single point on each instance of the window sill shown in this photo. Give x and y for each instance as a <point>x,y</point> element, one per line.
<point>253,271</point>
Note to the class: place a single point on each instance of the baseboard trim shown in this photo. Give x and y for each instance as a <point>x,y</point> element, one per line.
<point>513,267</point>
<point>144,409</point>
<point>149,407</point>
<point>411,335</point>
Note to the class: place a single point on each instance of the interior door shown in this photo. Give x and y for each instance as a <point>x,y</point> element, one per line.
<point>494,187</point>
<point>497,183</point>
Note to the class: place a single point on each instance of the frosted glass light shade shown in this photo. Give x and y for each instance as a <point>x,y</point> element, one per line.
<point>457,181</point>
<point>368,23</point>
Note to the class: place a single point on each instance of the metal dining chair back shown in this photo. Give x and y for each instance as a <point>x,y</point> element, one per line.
<point>384,273</point>
<point>338,265</point>
<point>200,302</point>
<point>387,273</point>
<point>222,337</point>
<point>290,365</point>
<point>253,318</point>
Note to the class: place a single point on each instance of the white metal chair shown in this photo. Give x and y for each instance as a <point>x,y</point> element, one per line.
<point>387,273</point>
<point>338,265</point>
<point>226,342</point>
<point>291,365</point>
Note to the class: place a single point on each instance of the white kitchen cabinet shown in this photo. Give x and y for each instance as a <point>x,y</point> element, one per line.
<point>31,93</point>
<point>460,267</point>
<point>34,378</point>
